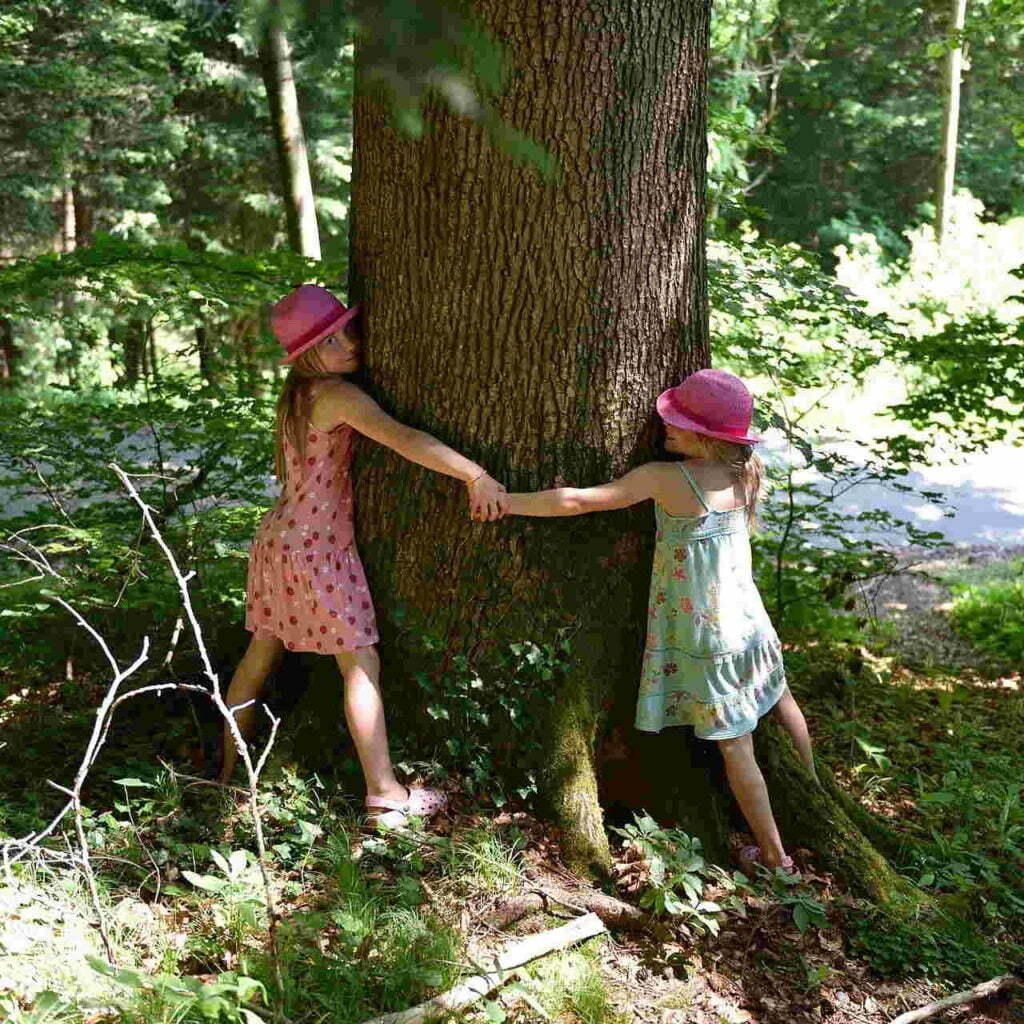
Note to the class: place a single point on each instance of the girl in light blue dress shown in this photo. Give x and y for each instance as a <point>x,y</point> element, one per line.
<point>712,658</point>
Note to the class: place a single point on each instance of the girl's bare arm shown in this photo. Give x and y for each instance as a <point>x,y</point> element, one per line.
<point>637,485</point>
<point>343,402</point>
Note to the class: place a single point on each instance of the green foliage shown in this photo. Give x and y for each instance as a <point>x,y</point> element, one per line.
<point>677,875</point>
<point>488,719</point>
<point>939,763</point>
<point>169,279</point>
<point>781,321</point>
<point>412,50</point>
<point>947,948</point>
<point>991,614</point>
<point>570,982</point>
<point>199,460</point>
<point>240,905</point>
<point>189,999</point>
<point>841,120</point>
<point>955,313</point>
<point>386,952</point>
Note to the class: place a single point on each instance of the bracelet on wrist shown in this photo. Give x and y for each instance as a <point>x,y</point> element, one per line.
<point>479,476</point>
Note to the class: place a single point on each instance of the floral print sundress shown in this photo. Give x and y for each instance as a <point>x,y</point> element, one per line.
<point>712,657</point>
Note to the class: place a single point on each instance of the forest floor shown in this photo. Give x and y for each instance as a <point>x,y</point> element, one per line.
<point>925,734</point>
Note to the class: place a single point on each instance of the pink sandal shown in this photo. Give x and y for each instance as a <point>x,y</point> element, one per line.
<point>420,803</point>
<point>751,855</point>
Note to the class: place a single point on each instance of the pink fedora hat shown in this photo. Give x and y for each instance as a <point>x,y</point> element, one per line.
<point>710,402</point>
<point>306,316</point>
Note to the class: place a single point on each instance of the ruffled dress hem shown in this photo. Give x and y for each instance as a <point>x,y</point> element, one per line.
<point>747,685</point>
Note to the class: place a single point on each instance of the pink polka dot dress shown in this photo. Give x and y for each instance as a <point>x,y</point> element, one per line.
<point>306,583</point>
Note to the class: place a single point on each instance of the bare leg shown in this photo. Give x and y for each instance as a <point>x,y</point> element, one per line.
<point>788,714</point>
<point>751,794</point>
<point>260,659</point>
<point>364,712</point>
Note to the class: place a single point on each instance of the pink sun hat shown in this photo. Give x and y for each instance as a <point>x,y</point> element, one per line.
<point>710,402</point>
<point>305,317</point>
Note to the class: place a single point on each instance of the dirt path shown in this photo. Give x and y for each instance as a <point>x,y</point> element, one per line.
<point>915,602</point>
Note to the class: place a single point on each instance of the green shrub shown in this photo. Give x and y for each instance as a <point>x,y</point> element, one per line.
<point>199,460</point>
<point>991,614</point>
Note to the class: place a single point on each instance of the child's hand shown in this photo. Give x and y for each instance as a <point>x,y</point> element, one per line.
<point>488,500</point>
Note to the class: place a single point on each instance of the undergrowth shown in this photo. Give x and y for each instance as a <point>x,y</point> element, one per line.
<point>988,609</point>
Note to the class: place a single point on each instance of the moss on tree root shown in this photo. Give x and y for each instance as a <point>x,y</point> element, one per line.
<point>820,819</point>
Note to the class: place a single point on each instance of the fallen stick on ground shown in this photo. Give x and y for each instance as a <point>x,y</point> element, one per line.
<point>614,912</point>
<point>986,988</point>
<point>505,963</point>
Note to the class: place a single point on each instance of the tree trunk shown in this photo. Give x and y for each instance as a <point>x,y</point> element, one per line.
<point>296,185</point>
<point>8,352</point>
<point>950,121</point>
<point>208,368</point>
<point>66,241</point>
<point>150,351</point>
<point>132,337</point>
<point>531,324</point>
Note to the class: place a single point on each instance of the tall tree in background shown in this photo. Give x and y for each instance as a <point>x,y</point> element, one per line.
<point>954,61</point>
<point>293,162</point>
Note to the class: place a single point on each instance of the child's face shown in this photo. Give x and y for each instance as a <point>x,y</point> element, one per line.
<point>683,442</point>
<point>339,353</point>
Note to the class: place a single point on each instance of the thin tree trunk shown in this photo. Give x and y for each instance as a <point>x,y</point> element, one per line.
<point>950,122</point>
<point>151,350</point>
<point>293,163</point>
<point>8,352</point>
<point>66,241</point>
<point>531,324</point>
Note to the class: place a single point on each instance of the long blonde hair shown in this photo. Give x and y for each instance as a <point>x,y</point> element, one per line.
<point>293,408</point>
<point>745,467</point>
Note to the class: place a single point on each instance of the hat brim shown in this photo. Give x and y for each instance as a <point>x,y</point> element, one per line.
<point>335,325</point>
<point>670,414</point>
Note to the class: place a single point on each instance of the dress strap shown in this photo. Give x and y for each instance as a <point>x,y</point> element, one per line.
<point>693,484</point>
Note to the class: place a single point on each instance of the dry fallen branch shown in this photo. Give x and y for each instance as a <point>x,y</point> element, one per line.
<point>986,988</point>
<point>13,850</point>
<point>505,965</point>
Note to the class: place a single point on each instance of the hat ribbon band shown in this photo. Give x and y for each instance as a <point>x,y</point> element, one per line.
<point>315,330</point>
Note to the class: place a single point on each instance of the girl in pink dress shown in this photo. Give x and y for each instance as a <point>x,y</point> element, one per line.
<point>306,590</point>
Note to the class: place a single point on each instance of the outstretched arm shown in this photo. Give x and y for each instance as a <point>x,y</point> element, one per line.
<point>637,485</point>
<point>343,402</point>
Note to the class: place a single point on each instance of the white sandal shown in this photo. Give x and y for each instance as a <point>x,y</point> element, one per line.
<point>421,803</point>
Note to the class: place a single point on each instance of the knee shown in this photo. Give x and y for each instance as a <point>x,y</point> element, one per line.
<point>365,658</point>
<point>737,748</point>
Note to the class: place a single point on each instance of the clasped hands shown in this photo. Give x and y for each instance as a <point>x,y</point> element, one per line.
<point>488,500</point>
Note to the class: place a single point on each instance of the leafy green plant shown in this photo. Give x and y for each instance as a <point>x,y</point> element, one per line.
<point>197,463</point>
<point>47,1008</point>
<point>676,874</point>
<point>189,998</point>
<point>991,614</point>
<point>239,906</point>
<point>490,715</point>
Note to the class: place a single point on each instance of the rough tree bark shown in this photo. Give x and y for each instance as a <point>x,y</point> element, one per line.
<point>531,324</point>
<point>293,163</point>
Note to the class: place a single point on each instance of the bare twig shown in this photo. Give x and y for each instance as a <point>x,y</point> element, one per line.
<point>987,988</point>
<point>252,771</point>
<point>13,850</point>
